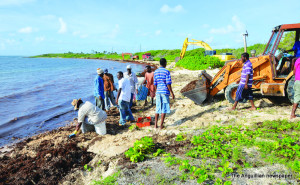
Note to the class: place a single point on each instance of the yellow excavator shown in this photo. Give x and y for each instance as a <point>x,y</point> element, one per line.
<point>208,50</point>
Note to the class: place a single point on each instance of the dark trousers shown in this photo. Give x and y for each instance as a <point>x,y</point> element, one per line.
<point>100,103</point>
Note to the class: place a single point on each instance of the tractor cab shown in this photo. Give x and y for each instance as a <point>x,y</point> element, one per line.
<point>282,40</point>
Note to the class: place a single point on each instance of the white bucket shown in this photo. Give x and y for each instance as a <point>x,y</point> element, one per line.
<point>100,128</point>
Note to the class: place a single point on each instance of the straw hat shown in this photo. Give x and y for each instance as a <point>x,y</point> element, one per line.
<point>74,103</point>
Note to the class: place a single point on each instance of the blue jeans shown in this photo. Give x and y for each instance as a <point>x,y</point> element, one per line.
<point>131,99</point>
<point>125,112</point>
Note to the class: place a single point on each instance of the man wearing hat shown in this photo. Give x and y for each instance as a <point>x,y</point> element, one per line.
<point>99,89</point>
<point>89,118</point>
<point>133,82</point>
<point>108,89</point>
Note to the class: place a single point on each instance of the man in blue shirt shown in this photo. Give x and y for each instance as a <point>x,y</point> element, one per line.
<point>162,83</point>
<point>296,49</point>
<point>99,89</point>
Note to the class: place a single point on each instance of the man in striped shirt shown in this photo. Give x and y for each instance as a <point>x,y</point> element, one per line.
<point>244,89</point>
<point>162,83</point>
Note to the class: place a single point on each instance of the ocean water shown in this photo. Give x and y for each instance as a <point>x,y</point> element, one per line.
<point>36,93</point>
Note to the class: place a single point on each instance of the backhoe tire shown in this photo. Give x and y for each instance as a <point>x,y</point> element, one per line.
<point>290,89</point>
<point>230,93</point>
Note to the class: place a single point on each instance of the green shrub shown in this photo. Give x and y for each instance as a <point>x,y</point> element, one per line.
<point>141,147</point>
<point>199,62</point>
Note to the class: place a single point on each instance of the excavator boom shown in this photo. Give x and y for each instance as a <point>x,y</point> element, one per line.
<point>197,43</point>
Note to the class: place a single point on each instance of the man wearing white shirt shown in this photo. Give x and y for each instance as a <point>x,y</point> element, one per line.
<point>133,82</point>
<point>123,99</point>
<point>89,116</point>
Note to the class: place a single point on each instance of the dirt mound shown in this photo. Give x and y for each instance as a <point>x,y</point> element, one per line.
<point>49,166</point>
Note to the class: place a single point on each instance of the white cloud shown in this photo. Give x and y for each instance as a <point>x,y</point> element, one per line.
<point>39,39</point>
<point>158,32</point>
<point>27,29</point>
<point>14,2</point>
<point>236,26</point>
<point>63,26</point>
<point>166,9</point>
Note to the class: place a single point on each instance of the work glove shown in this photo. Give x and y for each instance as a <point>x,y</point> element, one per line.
<point>73,134</point>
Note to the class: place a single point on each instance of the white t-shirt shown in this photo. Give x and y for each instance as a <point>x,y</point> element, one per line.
<point>133,81</point>
<point>124,84</point>
<point>93,113</point>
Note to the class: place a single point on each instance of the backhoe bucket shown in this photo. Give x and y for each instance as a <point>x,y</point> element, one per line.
<point>199,94</point>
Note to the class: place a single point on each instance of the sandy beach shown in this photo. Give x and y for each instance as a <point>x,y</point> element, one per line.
<point>53,158</point>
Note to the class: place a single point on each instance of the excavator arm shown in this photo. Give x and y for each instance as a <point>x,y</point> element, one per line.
<point>197,43</point>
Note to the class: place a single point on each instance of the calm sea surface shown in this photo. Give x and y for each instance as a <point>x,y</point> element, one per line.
<point>36,93</point>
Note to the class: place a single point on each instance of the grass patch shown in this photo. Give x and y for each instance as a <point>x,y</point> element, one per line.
<point>109,180</point>
<point>276,142</point>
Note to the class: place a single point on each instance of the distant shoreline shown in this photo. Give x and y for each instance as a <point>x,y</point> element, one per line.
<point>154,64</point>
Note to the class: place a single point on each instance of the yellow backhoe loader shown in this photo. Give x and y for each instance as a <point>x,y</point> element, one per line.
<point>266,79</point>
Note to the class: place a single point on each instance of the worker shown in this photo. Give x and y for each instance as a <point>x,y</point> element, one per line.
<point>245,83</point>
<point>296,88</point>
<point>296,49</point>
<point>89,117</point>
<point>133,82</point>
<point>162,83</point>
<point>149,79</point>
<point>123,99</point>
<point>99,89</point>
<point>108,89</point>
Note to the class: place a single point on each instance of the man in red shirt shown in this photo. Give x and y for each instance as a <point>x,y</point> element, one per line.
<point>149,79</point>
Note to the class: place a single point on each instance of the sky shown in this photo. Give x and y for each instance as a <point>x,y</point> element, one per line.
<point>32,27</point>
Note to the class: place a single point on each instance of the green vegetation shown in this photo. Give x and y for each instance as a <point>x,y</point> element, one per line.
<point>93,55</point>
<point>288,41</point>
<point>180,137</point>
<point>133,127</point>
<point>237,52</point>
<point>276,141</point>
<point>87,168</point>
<point>141,147</point>
<point>199,62</point>
<point>110,180</point>
<point>170,55</point>
<point>221,151</point>
<point>193,59</point>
